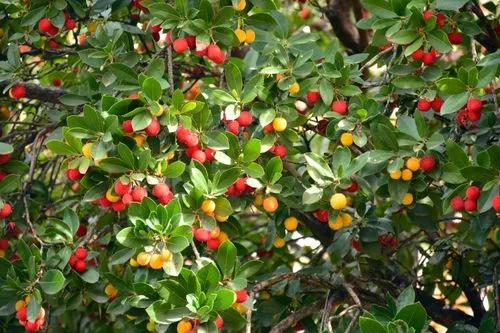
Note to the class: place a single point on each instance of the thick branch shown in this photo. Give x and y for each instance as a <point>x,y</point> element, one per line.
<point>296,316</point>
<point>44,94</point>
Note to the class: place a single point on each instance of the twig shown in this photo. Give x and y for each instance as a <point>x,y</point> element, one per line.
<point>170,68</point>
<point>289,276</point>
<point>375,58</point>
<point>195,250</point>
<point>353,321</point>
<point>353,295</point>
<point>248,328</point>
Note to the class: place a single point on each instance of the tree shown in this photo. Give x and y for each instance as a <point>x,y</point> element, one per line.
<point>270,166</point>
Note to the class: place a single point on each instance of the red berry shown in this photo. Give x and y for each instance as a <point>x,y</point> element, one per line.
<point>233,126</point>
<point>22,314</point>
<point>192,140</point>
<point>127,126</point>
<point>241,296</point>
<point>240,184</point>
<point>473,192</point>
<point>199,155</point>
<point>356,245</point>
<point>201,235</point>
<point>473,115</point>
<point>437,103</point>
<point>321,215</point>
<point>428,59</point>
<point>470,205</point>
<point>44,24</point>
<point>440,20</point>
<point>312,97</point>
<point>161,190</point>
<point>17,91</point>
<point>280,150</point>
<point>215,54</point>
<point>213,244</point>
<point>418,55</point>
<point>191,41</point>
<point>103,201</point>
<point>127,198</point>
<point>427,14</point>
<point>3,174</point>
<point>118,206</point>
<point>4,158</point>
<point>122,188</point>
<point>219,322</point>
<point>4,244</point>
<point>423,105</point>
<point>339,106</point>
<point>496,203</point>
<point>474,105</point>
<point>353,188</point>
<point>191,150</point>
<point>56,82</point>
<point>53,31</point>
<point>154,128</point>
<point>182,134</point>
<point>80,266</point>
<point>70,24</point>
<point>82,230</point>
<point>180,45</point>
<point>53,44</point>
<point>455,37</point>
<point>457,203</point>
<point>209,154</point>
<point>6,210</point>
<point>74,174</point>
<point>245,119</point>
<point>166,198</point>
<point>72,260</point>
<point>427,163</point>
<point>156,28</point>
<point>81,253</point>
<point>268,128</point>
<point>139,193</point>
<point>32,326</point>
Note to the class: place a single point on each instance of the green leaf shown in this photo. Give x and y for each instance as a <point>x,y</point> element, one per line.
<point>414,315</point>
<point>456,154</point>
<point>175,169</point>
<point>73,100</point>
<point>249,268</point>
<point>224,299</point>
<point>318,169</point>
<point>326,91</point>
<point>369,325</point>
<point>126,155</point>
<point>123,72</point>
<point>162,313</point>
<point>478,174</point>
<point>141,121</point>
<point>128,238</point>
<point>10,183</point>
<point>113,165</point>
<point>61,148</point>
<point>451,85</point>
<point>233,78</point>
<point>151,89</point>
<point>251,151</point>
<point>52,281</point>
<point>409,82</point>
<point>91,275</point>
<point>6,148</point>
<point>404,37</point>
<point>380,8</point>
<point>450,4</point>
<point>226,257</point>
<point>454,103</point>
<point>198,179</point>
<point>406,297</point>
<point>439,40</point>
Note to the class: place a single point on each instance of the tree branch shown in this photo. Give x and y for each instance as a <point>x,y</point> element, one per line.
<point>44,94</point>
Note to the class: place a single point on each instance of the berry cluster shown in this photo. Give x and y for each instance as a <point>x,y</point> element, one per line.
<point>6,210</point>
<point>192,143</point>
<point>22,316</point>
<point>77,260</point>
<point>190,325</point>
<point>155,260</point>
<point>472,194</point>
<point>211,51</point>
<point>239,187</point>
<point>425,105</point>
<point>388,240</point>
<point>214,238</point>
<point>244,120</point>
<point>151,130</point>
<point>427,58</point>
<point>470,113</point>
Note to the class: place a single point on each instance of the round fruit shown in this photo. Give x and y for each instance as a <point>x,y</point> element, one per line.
<point>240,5</point>
<point>418,55</point>
<point>270,204</point>
<point>111,197</point>
<point>279,124</point>
<point>213,244</point>
<point>336,224</point>
<point>423,105</point>
<point>241,296</point>
<point>199,156</point>
<point>413,163</point>
<point>241,35</point>
<point>215,54</point>
<point>122,188</point>
<point>87,150</point>
<point>208,206</point>
<point>473,192</point>
<point>156,261</point>
<point>427,163</point>
<point>132,262</point>
<point>139,193</point>
<point>127,126</point>
<point>346,139</point>
<point>110,290</point>
<point>496,203</point>
<point>346,219</point>
<point>279,242</point>
<point>455,37</point>
<point>245,119</point>
<point>474,105</point>
<point>221,218</point>
<point>6,210</point>
<point>161,190</point>
<point>201,235</point>
<point>166,255</point>
<point>338,201</point>
<point>313,97</point>
<point>180,45</point>
<point>81,253</point>
<point>233,126</point>
<point>437,103</point>
<point>17,91</point>
<point>457,203</point>
<point>470,205</point>
<point>250,36</point>
<point>143,258</point>
<point>80,266</point>
<point>44,24</point>
<point>291,223</point>
<point>406,174</point>
<point>294,88</point>
<point>154,128</point>
<point>407,199</point>
<point>339,106</point>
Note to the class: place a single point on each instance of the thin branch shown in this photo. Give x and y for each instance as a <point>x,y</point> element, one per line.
<point>170,68</point>
<point>297,316</point>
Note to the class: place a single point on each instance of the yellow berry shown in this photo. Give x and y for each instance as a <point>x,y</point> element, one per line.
<point>92,26</point>
<point>184,326</point>
<point>159,112</point>
<point>259,199</point>
<point>208,206</point>
<point>170,155</point>
<point>166,255</point>
<point>294,88</point>
<point>111,291</point>
<point>346,139</point>
<point>20,305</point>
<point>222,237</point>
<point>2,253</point>
<point>87,150</point>
<point>279,124</point>
<point>279,242</point>
<point>270,204</point>
<point>27,299</point>
<point>346,219</point>
<point>156,261</point>
<point>338,201</point>
<point>336,224</point>
<point>250,36</point>
<point>395,174</point>
<point>349,201</point>
<point>240,307</point>
<point>140,140</point>
<point>150,326</point>
<point>407,174</point>
<point>241,35</point>
<point>240,6</point>
<point>111,197</point>
<point>407,199</point>
<point>143,258</point>
<point>221,218</point>
<point>291,223</point>
<point>413,163</point>
<point>132,262</point>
